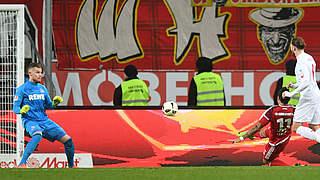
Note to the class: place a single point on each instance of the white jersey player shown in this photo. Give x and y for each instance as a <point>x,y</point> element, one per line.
<point>308,107</point>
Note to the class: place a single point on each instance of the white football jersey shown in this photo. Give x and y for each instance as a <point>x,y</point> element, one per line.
<point>306,80</point>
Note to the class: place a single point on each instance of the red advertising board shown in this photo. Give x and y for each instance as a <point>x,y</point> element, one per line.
<point>147,138</point>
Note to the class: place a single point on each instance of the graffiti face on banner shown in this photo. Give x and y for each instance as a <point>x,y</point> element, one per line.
<point>276,41</point>
<point>276,28</point>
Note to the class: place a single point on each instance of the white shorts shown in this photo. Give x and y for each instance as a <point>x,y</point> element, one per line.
<point>309,113</point>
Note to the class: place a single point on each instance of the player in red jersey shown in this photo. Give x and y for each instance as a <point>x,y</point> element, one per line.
<point>280,119</point>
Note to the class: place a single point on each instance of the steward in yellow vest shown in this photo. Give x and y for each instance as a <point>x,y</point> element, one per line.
<point>206,88</point>
<point>286,79</point>
<point>133,91</point>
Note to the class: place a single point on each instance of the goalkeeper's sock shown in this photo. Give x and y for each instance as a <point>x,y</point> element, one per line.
<point>69,150</point>
<point>31,146</point>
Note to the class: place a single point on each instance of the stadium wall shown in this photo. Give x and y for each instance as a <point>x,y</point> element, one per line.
<point>147,138</point>
<point>95,88</point>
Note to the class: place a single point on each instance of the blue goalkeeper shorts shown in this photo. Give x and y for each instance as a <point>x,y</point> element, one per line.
<point>50,130</point>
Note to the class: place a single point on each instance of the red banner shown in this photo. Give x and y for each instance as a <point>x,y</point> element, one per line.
<point>171,35</point>
<point>135,138</point>
<point>36,13</point>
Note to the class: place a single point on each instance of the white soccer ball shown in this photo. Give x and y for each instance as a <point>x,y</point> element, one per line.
<point>170,108</point>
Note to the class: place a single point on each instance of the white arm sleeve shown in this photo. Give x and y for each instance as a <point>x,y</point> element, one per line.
<point>303,81</point>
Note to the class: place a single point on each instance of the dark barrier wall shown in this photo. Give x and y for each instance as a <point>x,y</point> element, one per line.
<point>147,138</point>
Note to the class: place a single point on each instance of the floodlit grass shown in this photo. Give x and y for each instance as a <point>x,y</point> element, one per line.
<point>166,173</point>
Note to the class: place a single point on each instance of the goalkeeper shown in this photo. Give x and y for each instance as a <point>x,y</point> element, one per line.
<point>31,101</point>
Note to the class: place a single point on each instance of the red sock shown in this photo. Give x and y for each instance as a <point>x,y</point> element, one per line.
<point>278,162</point>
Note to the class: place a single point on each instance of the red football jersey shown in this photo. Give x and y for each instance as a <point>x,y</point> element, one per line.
<point>280,119</point>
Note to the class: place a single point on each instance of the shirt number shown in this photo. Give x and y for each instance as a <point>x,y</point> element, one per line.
<point>282,127</point>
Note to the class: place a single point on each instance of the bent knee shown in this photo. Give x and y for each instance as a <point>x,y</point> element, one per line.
<point>37,132</point>
<point>314,126</point>
<point>295,126</point>
<point>294,129</point>
<point>65,138</point>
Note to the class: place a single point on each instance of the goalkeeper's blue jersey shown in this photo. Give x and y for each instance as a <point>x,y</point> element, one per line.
<point>36,96</point>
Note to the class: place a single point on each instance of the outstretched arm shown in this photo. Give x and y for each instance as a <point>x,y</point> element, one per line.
<point>303,82</point>
<point>250,133</point>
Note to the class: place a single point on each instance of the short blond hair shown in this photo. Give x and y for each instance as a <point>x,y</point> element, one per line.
<point>32,65</point>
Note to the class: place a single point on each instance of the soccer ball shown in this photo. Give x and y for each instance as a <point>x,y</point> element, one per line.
<point>169,108</point>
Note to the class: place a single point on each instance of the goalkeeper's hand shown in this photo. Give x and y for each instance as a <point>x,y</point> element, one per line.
<point>24,109</point>
<point>57,100</point>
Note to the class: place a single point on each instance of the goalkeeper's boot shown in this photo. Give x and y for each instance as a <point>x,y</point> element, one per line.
<point>22,166</point>
<point>240,134</point>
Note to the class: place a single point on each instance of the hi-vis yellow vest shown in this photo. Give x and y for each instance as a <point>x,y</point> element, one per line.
<point>210,89</point>
<point>134,93</point>
<point>286,79</point>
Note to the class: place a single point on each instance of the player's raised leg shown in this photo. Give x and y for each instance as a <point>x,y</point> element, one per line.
<point>306,132</point>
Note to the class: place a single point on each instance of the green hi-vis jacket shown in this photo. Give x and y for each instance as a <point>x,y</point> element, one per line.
<point>134,93</point>
<point>209,89</point>
<point>286,79</point>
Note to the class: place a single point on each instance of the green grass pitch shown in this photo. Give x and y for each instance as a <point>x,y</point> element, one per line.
<point>166,173</point>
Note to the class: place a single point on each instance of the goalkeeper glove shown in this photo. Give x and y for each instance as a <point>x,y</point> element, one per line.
<point>240,134</point>
<point>24,109</point>
<point>57,100</point>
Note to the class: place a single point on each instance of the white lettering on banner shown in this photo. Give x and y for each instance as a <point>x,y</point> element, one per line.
<point>266,85</point>
<point>210,28</point>
<point>48,160</point>
<point>115,79</point>
<point>247,91</point>
<point>54,163</point>
<point>317,76</point>
<point>153,85</point>
<point>93,88</point>
<point>8,164</point>
<point>115,34</point>
<point>172,91</point>
<point>96,81</point>
<point>72,83</point>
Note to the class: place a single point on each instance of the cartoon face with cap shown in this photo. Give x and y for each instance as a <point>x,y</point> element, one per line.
<point>276,28</point>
